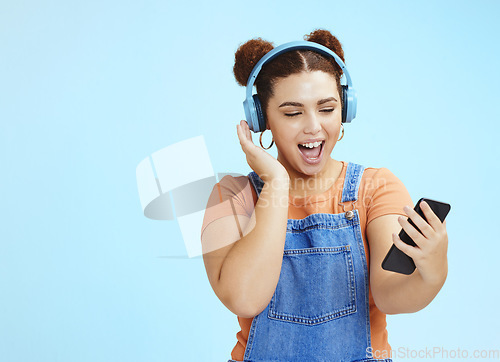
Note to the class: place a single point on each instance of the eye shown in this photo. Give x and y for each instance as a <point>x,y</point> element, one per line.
<point>329,110</point>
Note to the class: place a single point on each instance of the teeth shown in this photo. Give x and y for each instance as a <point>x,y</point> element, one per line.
<point>312,145</point>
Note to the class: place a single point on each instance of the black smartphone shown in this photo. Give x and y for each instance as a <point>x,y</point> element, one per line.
<point>396,260</point>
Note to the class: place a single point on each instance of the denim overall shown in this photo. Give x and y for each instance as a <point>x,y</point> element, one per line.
<point>320,308</point>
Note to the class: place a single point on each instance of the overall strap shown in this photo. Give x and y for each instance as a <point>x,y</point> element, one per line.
<point>256,182</point>
<point>351,182</point>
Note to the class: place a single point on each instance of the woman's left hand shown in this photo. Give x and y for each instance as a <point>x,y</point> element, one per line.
<point>430,254</point>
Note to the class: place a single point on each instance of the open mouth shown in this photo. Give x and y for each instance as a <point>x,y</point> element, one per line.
<point>312,154</point>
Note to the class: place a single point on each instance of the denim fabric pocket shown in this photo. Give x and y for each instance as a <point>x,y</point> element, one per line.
<point>316,285</point>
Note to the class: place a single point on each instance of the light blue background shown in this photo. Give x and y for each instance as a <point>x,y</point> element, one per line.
<point>88,89</point>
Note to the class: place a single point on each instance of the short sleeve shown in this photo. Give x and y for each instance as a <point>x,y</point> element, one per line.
<point>230,196</point>
<point>386,195</point>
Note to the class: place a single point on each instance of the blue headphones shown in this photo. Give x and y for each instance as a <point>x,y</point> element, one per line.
<point>253,110</point>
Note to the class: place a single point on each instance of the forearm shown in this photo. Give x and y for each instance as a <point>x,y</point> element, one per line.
<point>407,294</point>
<point>252,267</point>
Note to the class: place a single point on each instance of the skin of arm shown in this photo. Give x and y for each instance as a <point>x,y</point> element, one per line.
<point>250,272</point>
<point>396,293</point>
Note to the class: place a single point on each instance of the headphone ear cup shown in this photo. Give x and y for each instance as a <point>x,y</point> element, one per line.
<point>260,114</point>
<point>345,102</point>
<point>350,100</point>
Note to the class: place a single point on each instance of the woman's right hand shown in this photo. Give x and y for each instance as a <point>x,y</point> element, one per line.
<point>266,166</point>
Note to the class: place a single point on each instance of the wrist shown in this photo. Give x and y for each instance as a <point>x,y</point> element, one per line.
<point>277,181</point>
<point>437,278</point>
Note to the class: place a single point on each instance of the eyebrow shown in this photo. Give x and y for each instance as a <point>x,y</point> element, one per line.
<point>284,104</point>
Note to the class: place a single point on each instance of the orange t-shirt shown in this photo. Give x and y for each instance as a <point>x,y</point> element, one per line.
<point>380,193</point>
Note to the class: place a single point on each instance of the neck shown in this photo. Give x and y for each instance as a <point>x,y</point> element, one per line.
<point>302,185</point>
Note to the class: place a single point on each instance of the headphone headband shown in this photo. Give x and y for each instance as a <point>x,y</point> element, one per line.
<point>294,45</point>
<point>253,110</point>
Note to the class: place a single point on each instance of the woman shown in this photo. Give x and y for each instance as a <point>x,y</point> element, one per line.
<point>296,252</point>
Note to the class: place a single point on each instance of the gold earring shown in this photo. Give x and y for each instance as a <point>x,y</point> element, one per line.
<point>260,140</point>
<point>341,125</point>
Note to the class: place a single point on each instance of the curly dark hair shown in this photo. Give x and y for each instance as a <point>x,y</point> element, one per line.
<point>292,62</point>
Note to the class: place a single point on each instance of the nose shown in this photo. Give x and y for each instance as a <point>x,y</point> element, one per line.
<point>312,124</point>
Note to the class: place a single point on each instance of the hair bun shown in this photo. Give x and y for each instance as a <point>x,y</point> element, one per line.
<point>247,56</point>
<point>324,37</point>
